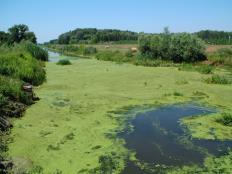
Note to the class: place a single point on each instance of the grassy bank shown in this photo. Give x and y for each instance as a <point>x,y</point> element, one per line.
<point>19,64</point>
<point>72,128</point>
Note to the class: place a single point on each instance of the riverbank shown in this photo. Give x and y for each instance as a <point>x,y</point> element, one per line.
<point>21,69</point>
<point>76,121</point>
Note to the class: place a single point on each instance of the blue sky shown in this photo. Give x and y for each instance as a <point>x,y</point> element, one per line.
<point>49,18</point>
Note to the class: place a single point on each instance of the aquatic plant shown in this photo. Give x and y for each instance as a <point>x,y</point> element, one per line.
<point>63,62</point>
<point>218,79</point>
<point>225,119</point>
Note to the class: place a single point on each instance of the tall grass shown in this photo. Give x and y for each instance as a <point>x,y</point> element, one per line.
<point>36,51</point>
<point>74,50</point>
<point>203,69</point>
<point>18,63</point>
<point>17,66</point>
<point>115,56</point>
<point>222,56</point>
<point>217,79</point>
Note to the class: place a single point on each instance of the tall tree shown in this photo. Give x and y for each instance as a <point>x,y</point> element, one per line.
<point>18,33</point>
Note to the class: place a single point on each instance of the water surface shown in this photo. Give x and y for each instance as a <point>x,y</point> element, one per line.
<point>55,57</point>
<point>158,138</point>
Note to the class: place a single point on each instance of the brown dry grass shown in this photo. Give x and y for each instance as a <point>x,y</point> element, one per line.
<point>213,48</point>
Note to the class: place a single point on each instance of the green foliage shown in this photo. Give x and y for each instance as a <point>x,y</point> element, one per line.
<point>73,50</point>
<point>225,119</point>
<point>18,63</point>
<point>215,37</point>
<point>178,94</point>
<point>18,66</point>
<point>222,56</point>
<point>129,53</point>
<point>182,47</point>
<point>217,79</point>
<point>3,37</point>
<point>203,69</point>
<point>20,32</point>
<point>3,100</point>
<point>107,165</point>
<point>115,56</point>
<point>151,63</point>
<point>63,62</point>
<point>93,35</point>
<point>186,48</point>
<point>36,51</point>
<point>89,50</point>
<point>10,88</point>
<point>35,170</point>
<point>212,165</point>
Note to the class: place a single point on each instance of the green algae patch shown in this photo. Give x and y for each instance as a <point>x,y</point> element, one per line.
<point>70,129</point>
<point>208,127</point>
<point>211,164</point>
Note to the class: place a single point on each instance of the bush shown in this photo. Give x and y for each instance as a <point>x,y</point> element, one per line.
<point>182,47</point>
<point>63,62</point>
<point>226,119</point>
<point>216,79</point>
<point>185,47</point>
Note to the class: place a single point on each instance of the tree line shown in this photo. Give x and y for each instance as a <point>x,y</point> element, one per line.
<point>93,35</point>
<point>215,37</point>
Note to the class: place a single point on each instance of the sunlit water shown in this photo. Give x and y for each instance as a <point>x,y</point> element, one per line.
<point>55,57</point>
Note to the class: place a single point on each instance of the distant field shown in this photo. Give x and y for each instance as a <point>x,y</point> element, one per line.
<point>114,47</point>
<point>213,48</point>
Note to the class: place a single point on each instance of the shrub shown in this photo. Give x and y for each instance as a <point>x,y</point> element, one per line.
<point>217,79</point>
<point>63,62</point>
<point>226,119</point>
<point>182,47</point>
<point>185,47</point>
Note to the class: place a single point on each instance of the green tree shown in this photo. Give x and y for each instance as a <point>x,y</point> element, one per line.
<point>30,36</point>
<point>17,33</point>
<point>3,37</point>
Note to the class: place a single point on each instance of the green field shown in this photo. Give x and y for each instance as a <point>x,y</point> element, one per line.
<point>67,129</point>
